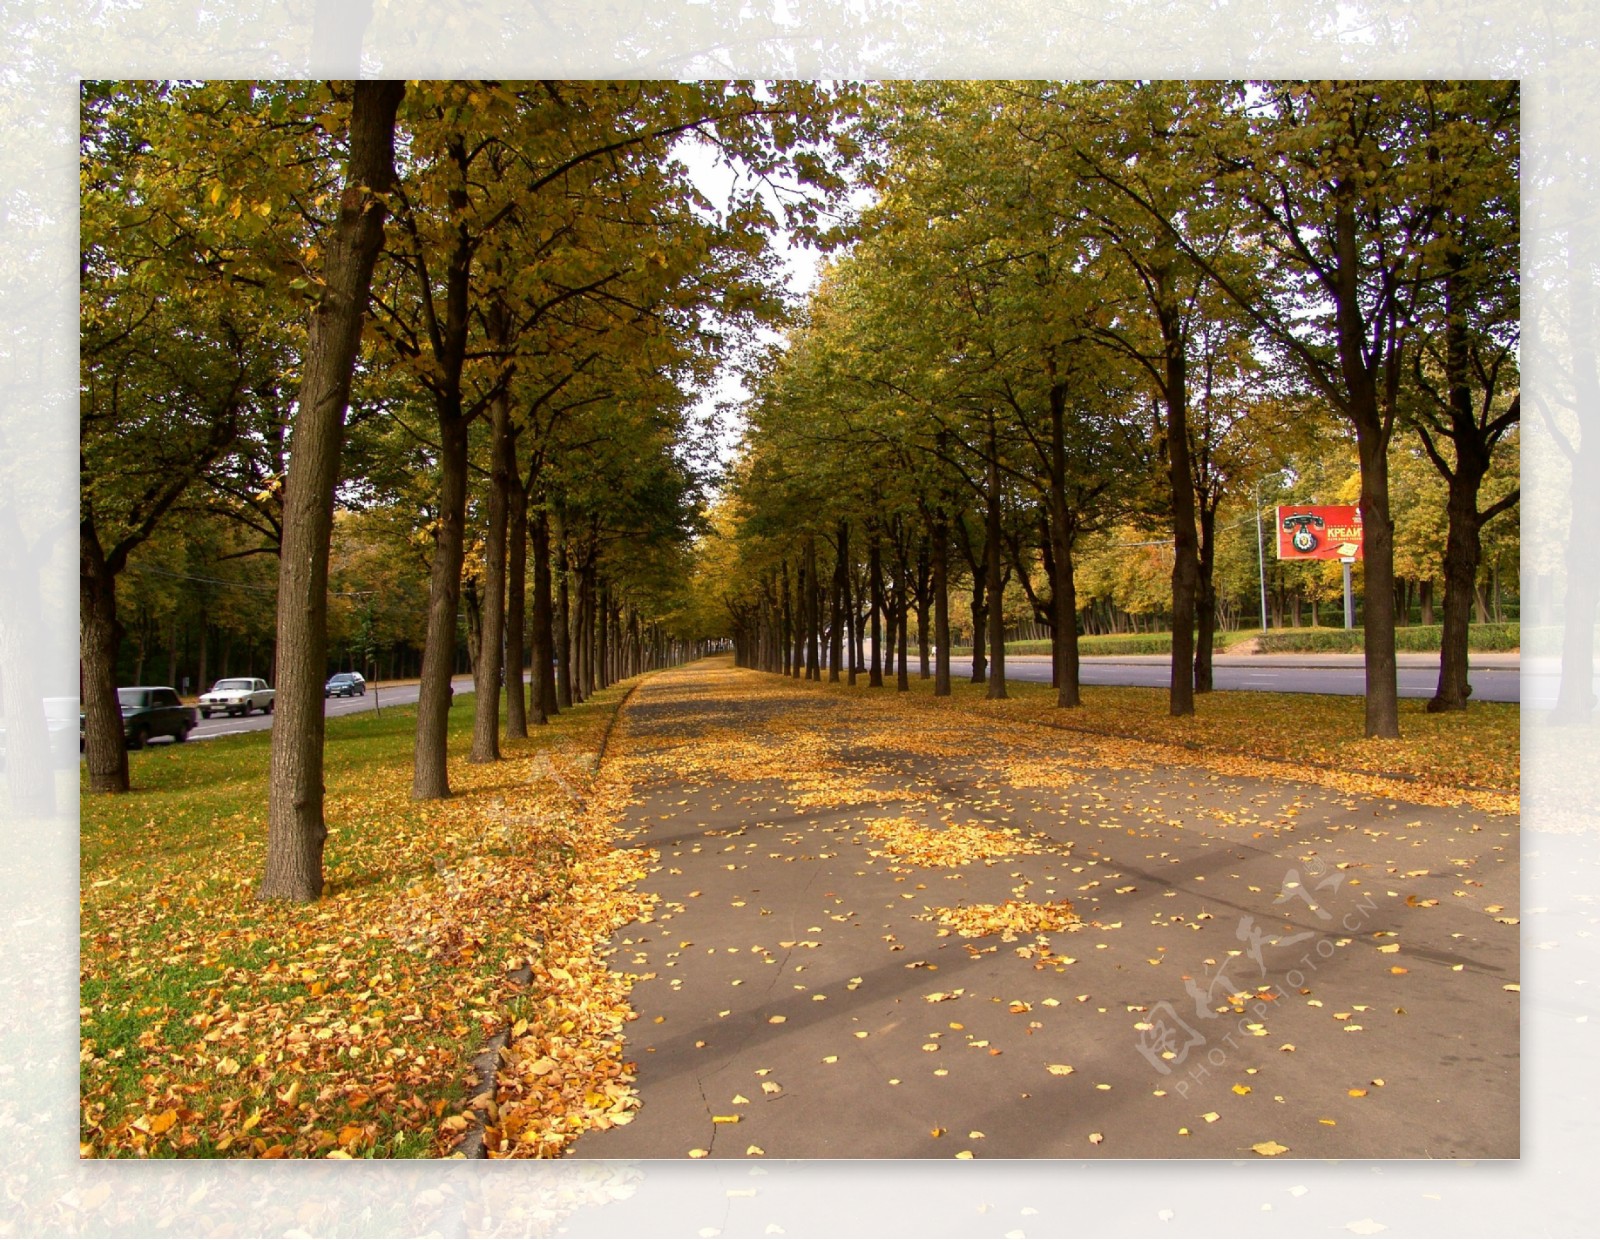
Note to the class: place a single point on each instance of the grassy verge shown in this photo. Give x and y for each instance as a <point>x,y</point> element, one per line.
<point>1470,756</point>
<point>212,1024</point>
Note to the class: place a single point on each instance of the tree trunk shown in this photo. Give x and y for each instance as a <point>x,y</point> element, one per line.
<point>430,777</point>
<point>1206,599</point>
<point>993,586</point>
<point>836,641</point>
<point>875,571</point>
<point>1185,560</point>
<point>99,644</point>
<point>544,641</point>
<point>1462,549</point>
<point>490,669</point>
<point>901,616</point>
<point>813,614</point>
<point>939,536</point>
<point>295,827</point>
<point>1425,597</point>
<point>1383,696</point>
<point>562,626</point>
<point>516,607</point>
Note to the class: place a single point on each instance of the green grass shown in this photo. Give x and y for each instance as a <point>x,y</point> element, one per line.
<point>174,944</point>
<point>1477,749</point>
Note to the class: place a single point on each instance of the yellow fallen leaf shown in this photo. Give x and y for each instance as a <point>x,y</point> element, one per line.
<point>964,1154</point>
<point>1241,1090</point>
<point>161,1123</point>
<point>1512,986</point>
<point>739,1100</point>
<point>754,1151</point>
<point>937,1132</point>
<point>771,1087</point>
<point>724,1119</point>
<point>1390,947</point>
<point>1211,1117</point>
<point>1095,1138</point>
<point>1060,1069</point>
<point>1357,1093</point>
<point>830,1059</point>
<point>776,1020</point>
<point>1269,1149</point>
<point>698,1153</point>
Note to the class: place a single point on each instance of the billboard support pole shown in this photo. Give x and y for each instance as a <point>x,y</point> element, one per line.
<point>1261,560</point>
<point>1349,596</point>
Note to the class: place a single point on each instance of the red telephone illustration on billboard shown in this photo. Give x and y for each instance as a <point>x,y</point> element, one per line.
<point>1319,532</point>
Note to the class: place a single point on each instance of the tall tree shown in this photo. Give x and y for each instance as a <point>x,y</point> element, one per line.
<point>296,830</point>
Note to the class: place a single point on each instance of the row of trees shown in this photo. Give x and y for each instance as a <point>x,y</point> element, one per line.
<point>450,329</point>
<point>1080,307</point>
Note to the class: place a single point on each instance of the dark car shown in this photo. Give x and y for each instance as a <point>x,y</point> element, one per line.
<point>149,711</point>
<point>345,684</point>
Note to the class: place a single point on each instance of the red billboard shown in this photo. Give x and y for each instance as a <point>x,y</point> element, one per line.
<point>1319,532</point>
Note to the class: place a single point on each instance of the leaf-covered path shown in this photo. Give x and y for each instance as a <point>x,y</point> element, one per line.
<point>888,928</point>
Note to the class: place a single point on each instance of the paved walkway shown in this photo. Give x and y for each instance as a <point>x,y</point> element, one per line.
<point>1257,961</point>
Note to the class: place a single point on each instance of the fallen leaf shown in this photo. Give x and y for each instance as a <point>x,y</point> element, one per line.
<point>1060,1069</point>
<point>1095,1138</point>
<point>1269,1149</point>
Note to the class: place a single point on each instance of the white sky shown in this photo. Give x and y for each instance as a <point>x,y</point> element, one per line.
<point>718,181</point>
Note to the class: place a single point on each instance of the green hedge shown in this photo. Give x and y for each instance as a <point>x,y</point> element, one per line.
<point>1109,643</point>
<point>1411,638</point>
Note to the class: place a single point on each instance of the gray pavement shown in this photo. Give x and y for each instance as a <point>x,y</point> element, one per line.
<point>1259,959</point>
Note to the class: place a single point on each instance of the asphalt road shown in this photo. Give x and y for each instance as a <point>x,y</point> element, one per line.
<point>382,695</point>
<point>1495,678</point>
<point>1499,681</point>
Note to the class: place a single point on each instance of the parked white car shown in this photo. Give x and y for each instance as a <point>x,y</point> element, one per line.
<point>238,695</point>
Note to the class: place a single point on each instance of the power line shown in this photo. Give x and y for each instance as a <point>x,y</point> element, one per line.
<point>235,585</point>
